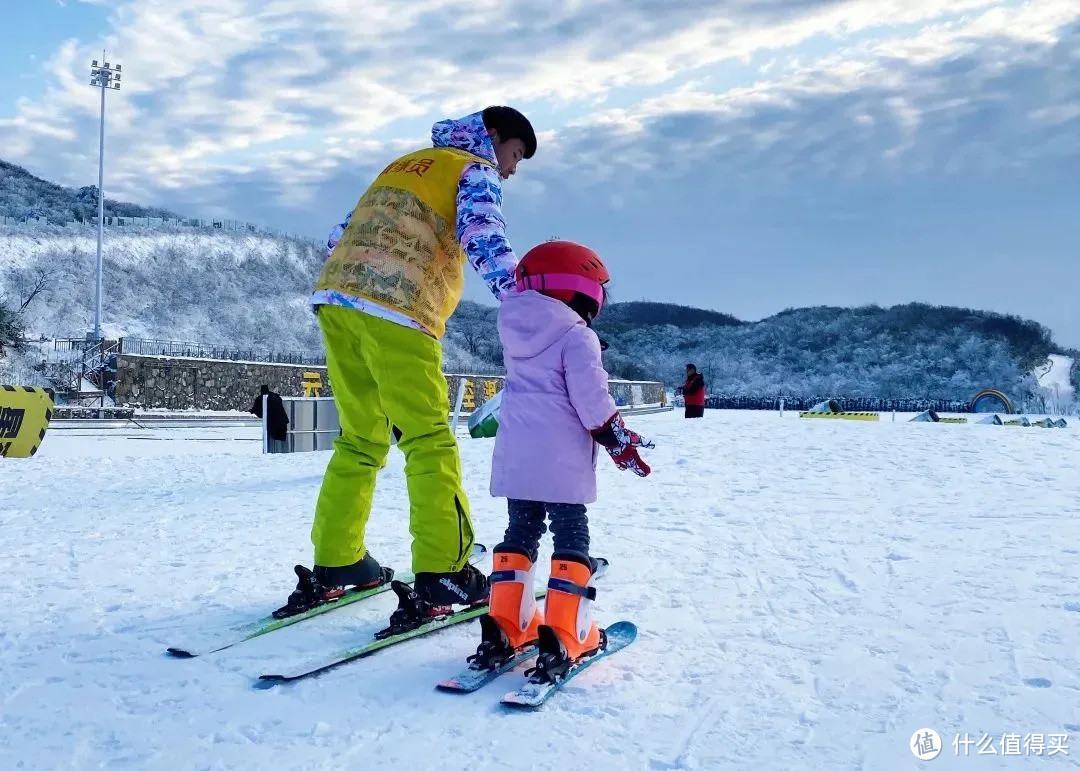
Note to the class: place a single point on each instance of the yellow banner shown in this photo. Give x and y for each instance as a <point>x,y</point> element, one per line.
<point>25,412</point>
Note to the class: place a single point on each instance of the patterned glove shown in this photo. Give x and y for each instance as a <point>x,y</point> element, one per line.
<point>621,444</point>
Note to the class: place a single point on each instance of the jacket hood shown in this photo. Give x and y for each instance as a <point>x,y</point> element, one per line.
<point>468,134</point>
<point>530,323</point>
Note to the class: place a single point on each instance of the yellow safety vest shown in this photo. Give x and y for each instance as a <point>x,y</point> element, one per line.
<point>400,249</point>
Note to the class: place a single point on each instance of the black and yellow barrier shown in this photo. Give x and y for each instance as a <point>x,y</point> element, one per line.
<point>842,415</point>
<point>25,412</point>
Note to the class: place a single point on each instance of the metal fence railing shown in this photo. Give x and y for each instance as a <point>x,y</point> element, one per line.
<point>77,344</point>
<point>490,370</point>
<point>149,347</point>
<point>176,348</point>
<point>847,404</point>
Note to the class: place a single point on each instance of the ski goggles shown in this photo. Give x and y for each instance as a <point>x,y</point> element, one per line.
<point>565,282</point>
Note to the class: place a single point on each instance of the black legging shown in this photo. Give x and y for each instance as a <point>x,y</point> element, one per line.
<point>569,526</point>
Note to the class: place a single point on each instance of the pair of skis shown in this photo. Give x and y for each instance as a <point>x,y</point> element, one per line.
<point>535,692</point>
<point>530,695</point>
<point>240,633</point>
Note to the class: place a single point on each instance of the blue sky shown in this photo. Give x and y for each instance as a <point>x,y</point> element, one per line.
<point>747,156</point>
<point>34,30</point>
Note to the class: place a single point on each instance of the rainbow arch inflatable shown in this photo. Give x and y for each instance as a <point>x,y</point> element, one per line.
<point>991,400</point>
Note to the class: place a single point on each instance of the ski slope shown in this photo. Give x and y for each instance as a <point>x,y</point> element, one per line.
<point>808,593</point>
<point>1054,377</point>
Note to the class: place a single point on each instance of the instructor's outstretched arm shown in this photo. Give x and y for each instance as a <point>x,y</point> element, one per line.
<point>481,229</point>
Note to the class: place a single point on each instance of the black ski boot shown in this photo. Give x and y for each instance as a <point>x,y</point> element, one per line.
<point>322,585</point>
<point>432,596</point>
<point>362,574</point>
<point>493,650</point>
<point>467,586</point>
<point>308,594</point>
<point>552,663</point>
<point>412,611</point>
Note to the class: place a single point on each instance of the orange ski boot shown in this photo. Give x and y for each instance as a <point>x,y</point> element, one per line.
<point>569,632</point>
<point>513,619</point>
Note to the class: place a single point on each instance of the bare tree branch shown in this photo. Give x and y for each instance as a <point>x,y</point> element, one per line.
<point>40,283</point>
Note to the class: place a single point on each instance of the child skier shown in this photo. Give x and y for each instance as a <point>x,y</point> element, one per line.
<point>555,410</point>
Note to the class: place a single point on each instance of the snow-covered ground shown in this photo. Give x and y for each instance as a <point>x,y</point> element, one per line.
<point>809,594</point>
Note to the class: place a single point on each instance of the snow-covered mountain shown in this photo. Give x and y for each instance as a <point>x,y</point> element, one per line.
<point>250,289</point>
<point>173,283</point>
<point>222,287</point>
<point>22,196</point>
<point>906,351</point>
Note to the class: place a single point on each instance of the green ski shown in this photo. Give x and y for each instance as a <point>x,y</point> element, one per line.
<point>363,651</point>
<point>240,633</point>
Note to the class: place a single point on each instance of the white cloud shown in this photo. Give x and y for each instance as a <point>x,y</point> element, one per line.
<point>291,93</point>
<point>900,105</point>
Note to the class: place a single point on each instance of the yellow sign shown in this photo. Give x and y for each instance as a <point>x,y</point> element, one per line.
<point>468,402</point>
<point>490,388</point>
<point>25,412</point>
<point>312,384</point>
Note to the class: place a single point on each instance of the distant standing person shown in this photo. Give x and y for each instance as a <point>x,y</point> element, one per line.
<point>277,421</point>
<point>693,391</point>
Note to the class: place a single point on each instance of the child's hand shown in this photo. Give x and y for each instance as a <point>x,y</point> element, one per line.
<point>621,444</point>
<point>628,459</point>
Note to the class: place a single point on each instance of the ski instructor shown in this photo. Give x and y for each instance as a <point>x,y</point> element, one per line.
<point>393,276</point>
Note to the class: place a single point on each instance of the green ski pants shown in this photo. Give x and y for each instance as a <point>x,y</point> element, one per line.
<point>386,374</point>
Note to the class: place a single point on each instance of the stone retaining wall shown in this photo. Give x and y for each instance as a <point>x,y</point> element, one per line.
<point>178,383</point>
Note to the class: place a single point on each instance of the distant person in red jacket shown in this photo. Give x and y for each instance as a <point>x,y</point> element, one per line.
<point>693,391</point>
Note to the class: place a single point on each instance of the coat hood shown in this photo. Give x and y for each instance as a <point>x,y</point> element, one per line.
<point>468,134</point>
<point>530,323</point>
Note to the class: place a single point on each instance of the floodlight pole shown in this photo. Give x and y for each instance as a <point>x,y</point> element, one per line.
<point>101,212</point>
<point>104,77</point>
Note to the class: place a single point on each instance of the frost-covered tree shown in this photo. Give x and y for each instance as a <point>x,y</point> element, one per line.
<point>12,329</point>
<point>22,195</point>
